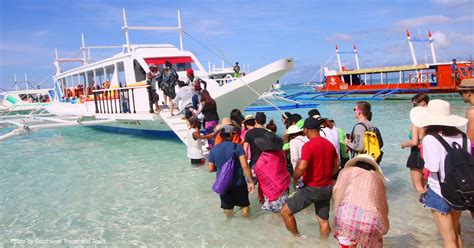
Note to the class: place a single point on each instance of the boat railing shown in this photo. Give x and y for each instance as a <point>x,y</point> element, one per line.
<point>116,100</point>
<point>423,78</point>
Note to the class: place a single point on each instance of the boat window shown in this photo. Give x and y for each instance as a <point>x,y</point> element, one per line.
<point>121,74</point>
<point>109,70</point>
<point>140,74</point>
<point>99,76</point>
<point>29,98</point>
<point>90,79</point>
<point>392,77</point>
<point>182,66</point>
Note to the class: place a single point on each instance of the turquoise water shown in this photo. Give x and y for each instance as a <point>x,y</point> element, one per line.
<point>81,185</point>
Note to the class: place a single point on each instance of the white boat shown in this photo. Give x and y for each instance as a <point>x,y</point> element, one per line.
<point>24,101</point>
<point>124,105</point>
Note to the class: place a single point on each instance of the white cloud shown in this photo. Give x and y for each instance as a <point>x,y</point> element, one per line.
<point>441,39</point>
<point>339,37</point>
<point>422,21</point>
<point>452,2</point>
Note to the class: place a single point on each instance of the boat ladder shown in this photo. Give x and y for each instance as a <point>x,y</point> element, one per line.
<point>175,123</point>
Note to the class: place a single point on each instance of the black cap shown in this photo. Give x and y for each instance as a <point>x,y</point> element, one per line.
<point>167,63</point>
<point>313,112</point>
<point>312,123</point>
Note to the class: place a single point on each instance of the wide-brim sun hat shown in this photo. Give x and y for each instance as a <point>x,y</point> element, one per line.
<point>152,66</point>
<point>438,112</point>
<point>293,129</point>
<point>369,160</point>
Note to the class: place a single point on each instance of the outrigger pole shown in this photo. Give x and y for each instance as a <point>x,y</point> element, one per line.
<point>126,28</point>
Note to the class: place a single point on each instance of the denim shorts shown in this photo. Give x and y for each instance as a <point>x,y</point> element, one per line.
<point>436,202</point>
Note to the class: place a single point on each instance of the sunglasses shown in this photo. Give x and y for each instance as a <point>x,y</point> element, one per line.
<point>355,109</point>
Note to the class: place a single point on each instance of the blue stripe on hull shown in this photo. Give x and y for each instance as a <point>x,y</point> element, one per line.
<point>134,131</point>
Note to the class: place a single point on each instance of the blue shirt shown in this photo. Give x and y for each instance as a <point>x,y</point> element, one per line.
<point>221,153</point>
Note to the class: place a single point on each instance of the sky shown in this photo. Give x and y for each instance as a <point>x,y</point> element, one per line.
<point>252,32</point>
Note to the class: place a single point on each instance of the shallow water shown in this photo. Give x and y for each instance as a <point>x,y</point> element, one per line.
<point>82,186</point>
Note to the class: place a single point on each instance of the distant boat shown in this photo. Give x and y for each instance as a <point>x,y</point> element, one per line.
<point>24,101</point>
<point>395,81</point>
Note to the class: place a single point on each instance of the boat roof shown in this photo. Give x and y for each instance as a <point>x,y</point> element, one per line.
<point>141,50</point>
<point>385,69</point>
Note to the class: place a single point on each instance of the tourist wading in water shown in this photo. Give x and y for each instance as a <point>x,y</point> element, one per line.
<point>319,162</point>
<point>415,162</point>
<point>242,181</point>
<point>440,124</point>
<point>360,203</point>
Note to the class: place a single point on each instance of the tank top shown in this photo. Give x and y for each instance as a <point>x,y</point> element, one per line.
<point>194,146</point>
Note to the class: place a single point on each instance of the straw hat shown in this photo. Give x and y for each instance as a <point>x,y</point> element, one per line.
<point>438,112</point>
<point>249,117</point>
<point>466,84</point>
<point>366,159</point>
<point>224,121</point>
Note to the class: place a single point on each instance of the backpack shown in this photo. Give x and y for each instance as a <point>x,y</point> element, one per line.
<point>373,142</point>
<point>271,173</point>
<point>458,185</point>
<point>224,178</point>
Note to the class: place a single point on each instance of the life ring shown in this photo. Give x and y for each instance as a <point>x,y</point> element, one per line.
<point>106,85</point>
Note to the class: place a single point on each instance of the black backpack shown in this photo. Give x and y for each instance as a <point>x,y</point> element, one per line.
<point>458,185</point>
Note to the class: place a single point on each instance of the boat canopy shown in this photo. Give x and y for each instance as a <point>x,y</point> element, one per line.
<point>384,69</point>
<point>173,60</point>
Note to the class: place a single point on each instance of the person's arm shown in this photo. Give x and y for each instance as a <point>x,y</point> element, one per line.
<point>294,154</point>
<point>247,173</point>
<point>415,138</point>
<point>335,166</point>
<point>470,124</point>
<point>299,170</point>
<point>211,167</point>
<point>198,135</point>
<point>199,110</point>
<point>357,142</point>
<point>246,148</point>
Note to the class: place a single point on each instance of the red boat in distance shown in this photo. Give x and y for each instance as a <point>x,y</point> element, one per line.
<point>440,78</point>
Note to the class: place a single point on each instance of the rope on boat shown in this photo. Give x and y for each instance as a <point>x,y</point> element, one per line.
<point>224,58</point>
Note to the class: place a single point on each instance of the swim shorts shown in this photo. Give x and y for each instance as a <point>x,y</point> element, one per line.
<point>307,195</point>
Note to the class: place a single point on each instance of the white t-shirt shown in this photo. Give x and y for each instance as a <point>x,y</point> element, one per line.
<point>296,145</point>
<point>194,146</point>
<point>184,97</point>
<point>434,155</point>
<point>333,136</point>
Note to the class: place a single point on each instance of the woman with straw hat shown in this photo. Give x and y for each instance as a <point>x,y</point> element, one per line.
<point>438,120</point>
<point>360,202</point>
